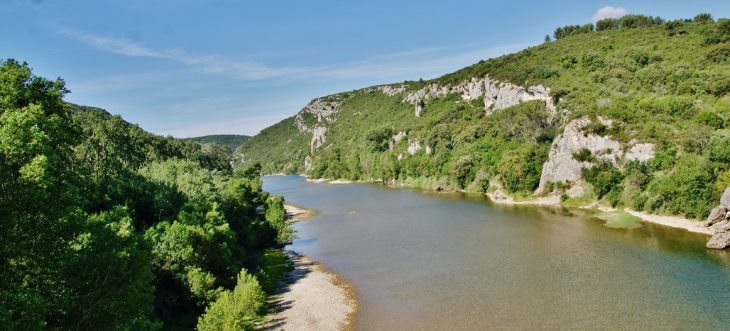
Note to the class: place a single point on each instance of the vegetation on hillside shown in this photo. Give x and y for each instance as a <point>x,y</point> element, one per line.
<point>105,226</point>
<point>661,82</point>
<point>232,141</point>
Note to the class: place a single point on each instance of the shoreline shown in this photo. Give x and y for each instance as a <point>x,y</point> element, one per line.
<point>312,299</point>
<point>499,197</point>
<point>554,201</point>
<point>297,214</point>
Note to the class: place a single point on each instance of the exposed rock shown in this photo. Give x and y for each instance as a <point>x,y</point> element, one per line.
<point>716,215</point>
<point>470,90</point>
<point>390,90</point>
<point>575,191</point>
<point>725,199</point>
<point>428,149</point>
<point>427,93</point>
<point>562,166</point>
<point>640,152</point>
<point>318,137</point>
<point>503,95</point>
<point>720,240</point>
<point>723,226</point>
<point>413,147</point>
<point>499,94</point>
<point>308,163</point>
<point>400,156</point>
<point>396,139</point>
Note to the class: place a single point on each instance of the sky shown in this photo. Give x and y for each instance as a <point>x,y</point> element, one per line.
<point>189,68</point>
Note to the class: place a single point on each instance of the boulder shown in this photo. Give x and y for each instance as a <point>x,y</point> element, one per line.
<point>716,215</point>
<point>725,199</point>
<point>722,227</point>
<point>719,241</point>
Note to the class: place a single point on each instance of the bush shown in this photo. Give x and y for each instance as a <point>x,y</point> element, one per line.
<point>710,119</point>
<point>237,309</point>
<point>584,155</point>
<point>604,177</point>
<point>564,197</point>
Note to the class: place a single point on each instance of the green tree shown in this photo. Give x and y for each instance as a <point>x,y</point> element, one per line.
<point>237,309</point>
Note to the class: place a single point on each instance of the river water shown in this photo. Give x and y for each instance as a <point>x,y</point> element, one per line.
<point>423,260</point>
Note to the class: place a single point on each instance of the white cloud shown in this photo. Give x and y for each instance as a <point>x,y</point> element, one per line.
<point>609,11</point>
<point>413,62</point>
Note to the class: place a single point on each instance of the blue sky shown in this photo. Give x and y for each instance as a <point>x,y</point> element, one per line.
<point>190,68</point>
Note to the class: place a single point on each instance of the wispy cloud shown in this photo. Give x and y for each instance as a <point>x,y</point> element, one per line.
<point>608,11</point>
<point>241,125</point>
<point>382,66</point>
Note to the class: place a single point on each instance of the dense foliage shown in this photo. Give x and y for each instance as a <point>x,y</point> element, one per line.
<point>105,226</point>
<point>660,82</point>
<point>232,141</point>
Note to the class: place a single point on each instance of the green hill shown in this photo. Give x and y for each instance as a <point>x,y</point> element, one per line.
<point>633,115</point>
<point>233,141</point>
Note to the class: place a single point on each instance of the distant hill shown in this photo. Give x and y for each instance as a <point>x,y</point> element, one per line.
<point>79,109</point>
<point>230,140</point>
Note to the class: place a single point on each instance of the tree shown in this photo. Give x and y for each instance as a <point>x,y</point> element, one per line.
<point>59,267</point>
<point>703,17</point>
<point>197,249</point>
<point>237,309</point>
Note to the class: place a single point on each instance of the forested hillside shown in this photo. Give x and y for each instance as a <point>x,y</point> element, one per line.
<point>105,226</point>
<point>632,112</point>
<point>232,141</point>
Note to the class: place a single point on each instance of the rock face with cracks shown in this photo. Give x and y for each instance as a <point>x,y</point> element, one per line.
<point>720,219</point>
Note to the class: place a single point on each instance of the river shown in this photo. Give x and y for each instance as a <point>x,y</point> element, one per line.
<point>425,260</point>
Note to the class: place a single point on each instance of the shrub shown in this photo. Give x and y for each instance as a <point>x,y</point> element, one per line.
<point>545,73</point>
<point>584,155</point>
<point>710,119</point>
<point>604,177</point>
<point>237,309</point>
<point>564,197</point>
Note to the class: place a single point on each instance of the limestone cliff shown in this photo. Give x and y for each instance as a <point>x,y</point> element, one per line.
<point>497,95</point>
<point>562,165</point>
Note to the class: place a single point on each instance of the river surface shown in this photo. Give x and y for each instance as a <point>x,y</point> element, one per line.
<point>423,260</point>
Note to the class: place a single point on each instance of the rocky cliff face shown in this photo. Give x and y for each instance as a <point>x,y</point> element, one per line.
<point>324,111</point>
<point>562,166</point>
<point>497,95</point>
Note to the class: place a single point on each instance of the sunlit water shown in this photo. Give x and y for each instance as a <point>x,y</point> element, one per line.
<point>422,260</point>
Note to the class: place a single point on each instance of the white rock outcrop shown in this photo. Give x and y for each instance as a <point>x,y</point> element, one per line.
<point>390,90</point>
<point>324,111</point>
<point>308,163</point>
<point>396,138</point>
<point>414,146</point>
<point>503,95</point>
<point>498,94</point>
<point>562,166</point>
<point>641,152</point>
<point>319,135</point>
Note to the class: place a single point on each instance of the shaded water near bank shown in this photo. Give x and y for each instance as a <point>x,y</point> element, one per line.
<point>442,261</point>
